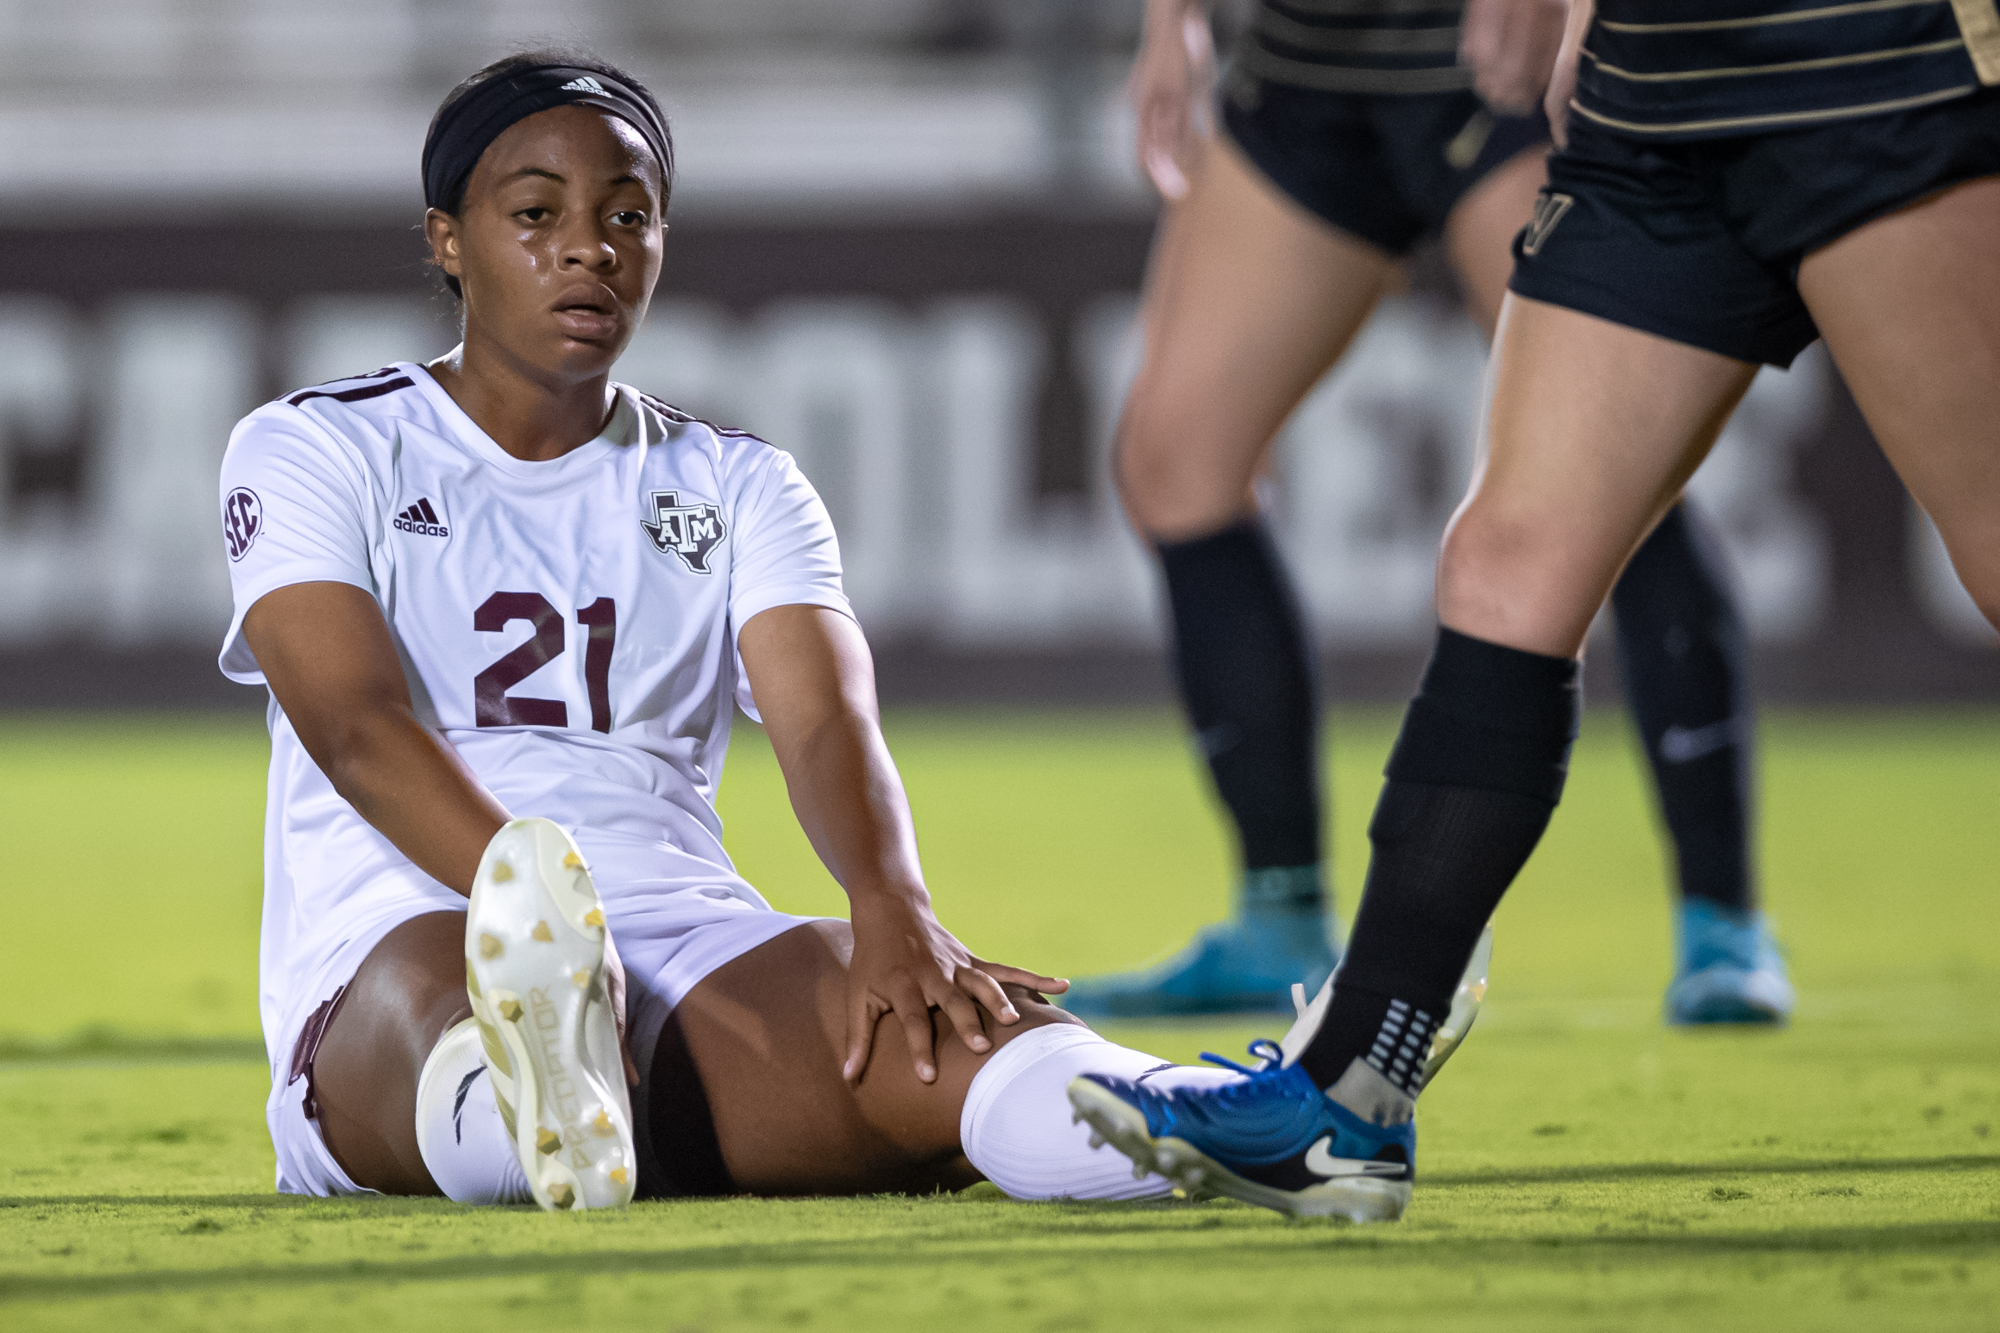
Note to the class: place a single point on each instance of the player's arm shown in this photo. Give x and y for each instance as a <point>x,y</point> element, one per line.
<point>1170,86</point>
<point>325,650</point>
<point>1511,48</point>
<point>814,682</point>
<point>1562,84</point>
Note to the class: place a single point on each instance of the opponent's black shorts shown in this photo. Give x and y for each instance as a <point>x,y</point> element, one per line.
<point>1385,167</point>
<point>1701,242</point>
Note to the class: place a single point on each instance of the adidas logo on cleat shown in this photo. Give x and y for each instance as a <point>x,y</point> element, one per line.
<point>422,520</point>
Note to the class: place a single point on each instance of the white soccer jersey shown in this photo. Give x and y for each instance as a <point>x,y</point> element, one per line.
<point>569,626</point>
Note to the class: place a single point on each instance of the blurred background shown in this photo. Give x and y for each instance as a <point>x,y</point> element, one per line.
<point>906,245</point>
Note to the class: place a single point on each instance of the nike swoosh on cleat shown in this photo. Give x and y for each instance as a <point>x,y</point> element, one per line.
<point>1321,1162</point>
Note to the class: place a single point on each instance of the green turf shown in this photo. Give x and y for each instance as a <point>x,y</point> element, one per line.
<point>1582,1168</point>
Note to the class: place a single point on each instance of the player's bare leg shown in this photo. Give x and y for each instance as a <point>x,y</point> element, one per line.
<point>767,1034</point>
<point>477,1054</point>
<point>1553,514</point>
<point>407,993</point>
<point>1250,298</point>
<point>1910,307</point>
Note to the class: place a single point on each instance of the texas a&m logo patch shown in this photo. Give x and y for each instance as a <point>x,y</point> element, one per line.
<point>689,531</point>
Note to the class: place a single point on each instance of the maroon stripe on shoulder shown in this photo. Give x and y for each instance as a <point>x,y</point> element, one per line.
<point>689,418</point>
<point>353,395</point>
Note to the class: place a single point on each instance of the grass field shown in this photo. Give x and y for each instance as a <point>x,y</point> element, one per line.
<point>1582,1168</point>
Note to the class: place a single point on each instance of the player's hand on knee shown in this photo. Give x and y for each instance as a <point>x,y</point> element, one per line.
<point>906,963</point>
<point>1170,86</point>
<point>1511,47</point>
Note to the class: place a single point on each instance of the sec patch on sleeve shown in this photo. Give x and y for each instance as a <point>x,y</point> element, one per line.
<point>242,520</point>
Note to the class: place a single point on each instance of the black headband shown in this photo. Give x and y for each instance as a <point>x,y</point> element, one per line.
<point>463,129</point>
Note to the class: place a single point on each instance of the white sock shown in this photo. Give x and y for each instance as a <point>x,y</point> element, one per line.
<point>459,1131</point>
<point>1016,1125</point>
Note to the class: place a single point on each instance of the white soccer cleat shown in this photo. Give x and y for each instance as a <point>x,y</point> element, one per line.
<point>534,966</point>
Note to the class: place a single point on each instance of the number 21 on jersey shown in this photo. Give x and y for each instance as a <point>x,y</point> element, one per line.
<point>494,707</point>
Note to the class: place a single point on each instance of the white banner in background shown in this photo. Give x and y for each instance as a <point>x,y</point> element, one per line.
<point>916,425</point>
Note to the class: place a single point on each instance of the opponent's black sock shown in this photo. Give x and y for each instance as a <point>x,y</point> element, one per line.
<point>1246,677</point>
<point>1682,647</point>
<point>1472,782</point>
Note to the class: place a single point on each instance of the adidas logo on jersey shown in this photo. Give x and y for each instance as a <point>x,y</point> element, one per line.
<point>689,531</point>
<point>584,85</point>
<point>421,519</point>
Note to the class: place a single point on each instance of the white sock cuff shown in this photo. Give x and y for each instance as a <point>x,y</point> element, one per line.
<point>460,1135</point>
<point>1008,1063</point>
<point>1018,1129</point>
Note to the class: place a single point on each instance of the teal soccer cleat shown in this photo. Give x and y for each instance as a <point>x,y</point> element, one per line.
<point>1246,965</point>
<point>1729,969</point>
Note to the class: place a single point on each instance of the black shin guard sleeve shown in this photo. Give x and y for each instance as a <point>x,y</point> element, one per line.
<point>1489,717</point>
<point>1442,859</point>
<point>1245,674</point>
<point>1473,779</point>
<point>1683,653</point>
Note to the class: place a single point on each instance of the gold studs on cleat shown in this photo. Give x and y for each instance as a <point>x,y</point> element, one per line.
<point>562,1195</point>
<point>571,861</point>
<point>603,1124</point>
<point>510,1010</point>
<point>619,1175</point>
<point>489,947</point>
<point>542,932</point>
<point>594,917</point>
<point>502,872</point>
<point>547,1141</point>
<point>581,978</point>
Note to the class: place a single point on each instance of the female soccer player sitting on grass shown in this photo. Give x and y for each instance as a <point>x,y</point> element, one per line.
<point>504,607</point>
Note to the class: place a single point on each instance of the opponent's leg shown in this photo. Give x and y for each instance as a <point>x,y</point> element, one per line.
<point>1684,655</point>
<point>1549,523</point>
<point>1685,658</point>
<point>1910,307</point>
<point>1480,763</point>
<point>762,1039</point>
<point>1249,300</point>
<point>1687,674</point>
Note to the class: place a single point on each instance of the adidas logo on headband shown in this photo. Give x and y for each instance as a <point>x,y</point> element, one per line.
<point>583,85</point>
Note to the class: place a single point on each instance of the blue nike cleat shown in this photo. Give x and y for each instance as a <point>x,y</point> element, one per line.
<point>1273,1139</point>
<point>1729,969</point>
<point>1246,965</point>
